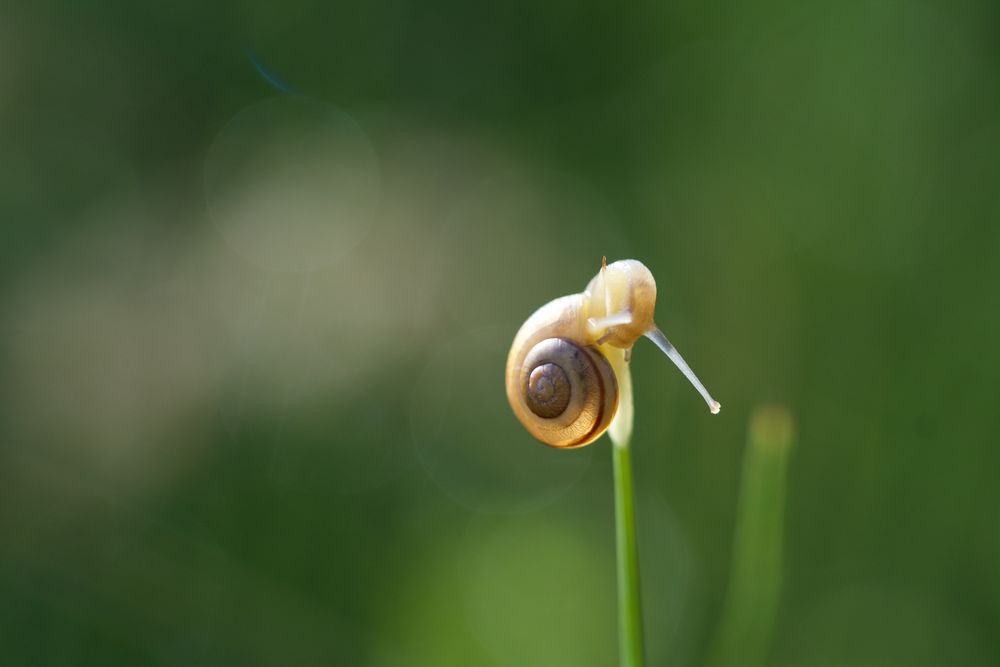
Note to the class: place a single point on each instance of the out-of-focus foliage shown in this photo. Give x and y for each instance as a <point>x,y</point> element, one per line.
<point>252,344</point>
<point>754,590</point>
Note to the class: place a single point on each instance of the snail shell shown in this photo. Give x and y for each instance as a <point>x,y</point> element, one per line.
<point>560,383</point>
<point>561,380</point>
<point>562,389</point>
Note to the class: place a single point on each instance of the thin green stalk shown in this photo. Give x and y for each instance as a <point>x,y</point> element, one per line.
<point>629,603</point>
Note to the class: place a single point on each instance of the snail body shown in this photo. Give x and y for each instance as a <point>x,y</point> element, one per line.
<point>568,361</point>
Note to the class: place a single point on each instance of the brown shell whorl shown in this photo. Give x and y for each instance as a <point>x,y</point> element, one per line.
<point>565,394</point>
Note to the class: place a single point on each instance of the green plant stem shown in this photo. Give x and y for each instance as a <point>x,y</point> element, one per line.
<point>629,603</point>
<point>754,592</point>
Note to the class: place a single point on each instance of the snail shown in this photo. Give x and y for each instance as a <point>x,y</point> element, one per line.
<point>568,363</point>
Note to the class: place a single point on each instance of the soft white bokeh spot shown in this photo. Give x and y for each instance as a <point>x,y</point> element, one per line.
<point>292,184</point>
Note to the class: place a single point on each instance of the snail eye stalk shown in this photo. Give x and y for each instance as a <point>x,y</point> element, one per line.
<point>661,341</point>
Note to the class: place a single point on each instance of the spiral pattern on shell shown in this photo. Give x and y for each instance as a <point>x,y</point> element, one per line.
<point>564,393</point>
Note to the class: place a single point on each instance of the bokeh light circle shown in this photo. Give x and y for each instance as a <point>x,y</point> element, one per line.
<point>469,441</point>
<point>541,590</point>
<point>522,237</point>
<point>292,184</point>
<point>337,443</point>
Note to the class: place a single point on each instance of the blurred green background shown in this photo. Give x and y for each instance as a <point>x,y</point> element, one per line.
<point>252,343</point>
